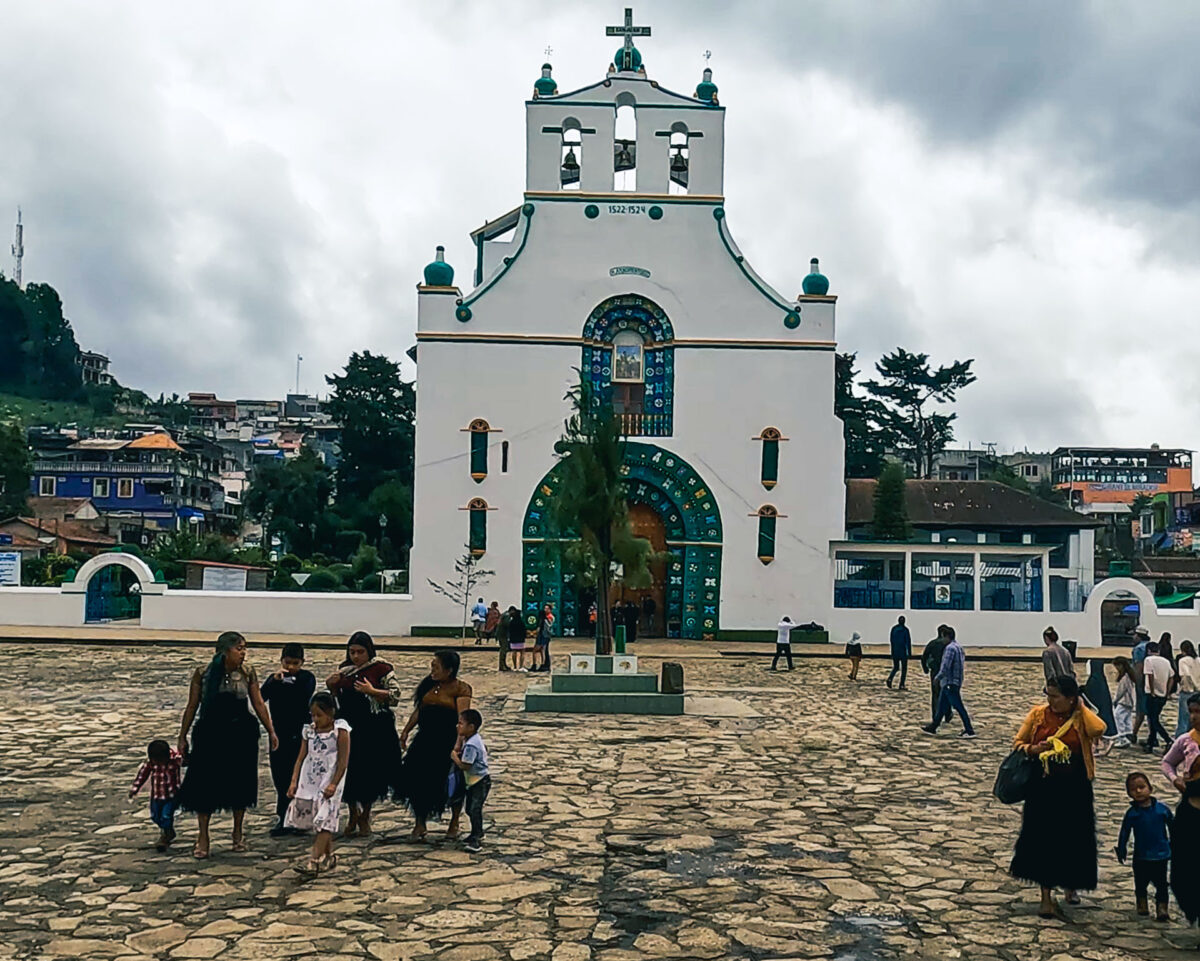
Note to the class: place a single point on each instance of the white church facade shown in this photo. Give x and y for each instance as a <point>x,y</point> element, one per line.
<point>620,262</point>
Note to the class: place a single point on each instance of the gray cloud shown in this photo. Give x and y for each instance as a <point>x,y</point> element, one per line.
<point>214,190</point>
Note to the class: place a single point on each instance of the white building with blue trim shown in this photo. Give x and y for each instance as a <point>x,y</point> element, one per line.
<point>620,262</point>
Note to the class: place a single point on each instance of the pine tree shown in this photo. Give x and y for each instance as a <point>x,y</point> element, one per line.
<point>890,520</point>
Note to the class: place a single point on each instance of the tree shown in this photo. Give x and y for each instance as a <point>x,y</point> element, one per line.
<point>15,469</point>
<point>38,352</point>
<point>890,519</point>
<point>864,441</point>
<point>291,498</point>
<point>590,508</point>
<point>376,410</point>
<point>907,388</point>
<point>468,576</point>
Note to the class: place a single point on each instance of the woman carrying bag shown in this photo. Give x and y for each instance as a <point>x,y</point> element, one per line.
<point>1057,844</point>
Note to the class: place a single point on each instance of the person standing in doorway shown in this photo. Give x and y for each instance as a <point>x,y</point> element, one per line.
<point>901,643</point>
<point>629,614</point>
<point>1137,657</point>
<point>950,676</point>
<point>1158,673</point>
<point>1056,659</point>
<point>478,619</point>
<point>783,643</point>
<point>649,609</point>
<point>931,662</point>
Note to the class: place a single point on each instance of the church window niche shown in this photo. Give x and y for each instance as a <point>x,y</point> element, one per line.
<point>629,360</point>
<point>571,160</point>
<point>477,511</point>
<point>504,457</point>
<point>769,472</point>
<point>479,430</point>
<point>767,516</point>
<point>625,145</point>
<point>680,160</point>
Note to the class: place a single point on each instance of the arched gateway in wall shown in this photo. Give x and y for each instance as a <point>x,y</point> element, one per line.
<point>671,505</point>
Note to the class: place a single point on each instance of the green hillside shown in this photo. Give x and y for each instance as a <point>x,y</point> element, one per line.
<point>31,412</point>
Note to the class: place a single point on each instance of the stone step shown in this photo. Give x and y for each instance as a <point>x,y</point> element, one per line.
<point>540,698</point>
<point>643,683</point>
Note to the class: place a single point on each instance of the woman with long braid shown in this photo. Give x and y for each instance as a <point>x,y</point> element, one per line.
<point>222,772</point>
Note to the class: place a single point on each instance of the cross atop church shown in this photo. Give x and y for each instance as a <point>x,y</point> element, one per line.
<point>628,31</point>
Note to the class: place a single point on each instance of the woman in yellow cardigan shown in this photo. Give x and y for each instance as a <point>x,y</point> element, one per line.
<point>1057,844</point>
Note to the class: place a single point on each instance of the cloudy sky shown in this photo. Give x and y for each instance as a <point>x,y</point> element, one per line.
<point>215,188</point>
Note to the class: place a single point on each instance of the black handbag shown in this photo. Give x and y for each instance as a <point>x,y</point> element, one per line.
<point>1017,772</point>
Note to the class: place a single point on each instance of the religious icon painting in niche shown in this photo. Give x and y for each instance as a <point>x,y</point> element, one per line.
<point>627,363</point>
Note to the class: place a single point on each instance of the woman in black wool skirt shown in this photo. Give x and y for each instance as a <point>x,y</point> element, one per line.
<point>1057,844</point>
<point>425,774</point>
<point>222,766</point>
<point>367,691</point>
<point>1185,847</point>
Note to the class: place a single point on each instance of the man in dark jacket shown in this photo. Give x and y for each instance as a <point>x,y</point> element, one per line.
<point>931,661</point>
<point>901,642</point>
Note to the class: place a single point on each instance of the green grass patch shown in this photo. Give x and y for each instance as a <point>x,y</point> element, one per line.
<point>31,412</point>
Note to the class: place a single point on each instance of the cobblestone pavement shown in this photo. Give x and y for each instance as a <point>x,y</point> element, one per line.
<point>827,827</point>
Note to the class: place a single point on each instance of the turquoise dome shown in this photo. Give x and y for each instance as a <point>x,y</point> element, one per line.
<point>620,54</point>
<point>545,86</point>
<point>816,283</point>
<point>706,90</point>
<point>439,273</point>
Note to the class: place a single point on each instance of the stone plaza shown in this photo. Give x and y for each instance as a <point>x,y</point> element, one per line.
<point>823,824</point>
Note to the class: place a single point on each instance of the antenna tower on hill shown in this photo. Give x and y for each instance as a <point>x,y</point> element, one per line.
<point>18,249</point>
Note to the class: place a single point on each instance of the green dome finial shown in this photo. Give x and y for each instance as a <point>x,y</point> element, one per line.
<point>439,273</point>
<point>816,283</point>
<point>628,59</point>
<point>706,90</point>
<point>545,86</point>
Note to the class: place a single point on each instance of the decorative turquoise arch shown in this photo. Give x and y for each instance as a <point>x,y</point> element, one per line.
<point>670,485</point>
<point>648,320</point>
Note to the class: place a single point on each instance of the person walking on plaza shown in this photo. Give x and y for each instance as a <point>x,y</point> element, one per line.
<point>1185,849</point>
<point>901,644</point>
<point>950,676</point>
<point>1137,657</point>
<point>1159,674</point>
<point>1184,753</point>
<point>931,662</point>
<point>502,636</point>
<point>1057,844</point>
<point>492,622</point>
<point>516,637</point>
<point>1056,659</point>
<point>853,652</point>
<point>222,766</point>
<point>1124,701</point>
<point>541,641</point>
<point>478,618</point>
<point>423,785</point>
<point>783,643</point>
<point>318,781</point>
<point>287,693</point>
<point>472,760</point>
<point>161,768</point>
<point>1187,682</point>
<point>1149,820</point>
<point>1099,699</point>
<point>367,693</point>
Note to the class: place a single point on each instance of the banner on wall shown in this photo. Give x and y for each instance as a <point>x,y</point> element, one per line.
<point>10,568</point>
<point>224,579</point>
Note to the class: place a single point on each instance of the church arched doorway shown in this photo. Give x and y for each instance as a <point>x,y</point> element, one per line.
<point>672,506</point>
<point>114,593</point>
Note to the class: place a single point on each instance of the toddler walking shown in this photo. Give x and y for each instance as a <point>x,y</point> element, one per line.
<point>473,762</point>
<point>1150,822</point>
<point>161,767</point>
<point>318,780</point>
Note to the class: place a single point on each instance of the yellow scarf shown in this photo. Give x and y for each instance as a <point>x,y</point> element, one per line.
<point>1058,753</point>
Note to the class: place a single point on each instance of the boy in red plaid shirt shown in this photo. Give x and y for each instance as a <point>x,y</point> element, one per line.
<point>162,770</point>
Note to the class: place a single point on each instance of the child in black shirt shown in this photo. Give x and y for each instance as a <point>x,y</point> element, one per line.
<point>287,693</point>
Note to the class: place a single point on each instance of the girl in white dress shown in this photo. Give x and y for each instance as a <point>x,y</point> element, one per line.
<point>318,780</point>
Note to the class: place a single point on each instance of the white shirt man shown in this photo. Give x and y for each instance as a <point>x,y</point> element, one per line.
<point>1158,673</point>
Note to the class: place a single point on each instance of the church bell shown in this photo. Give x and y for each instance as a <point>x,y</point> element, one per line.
<point>679,168</point>
<point>624,155</point>
<point>569,172</point>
